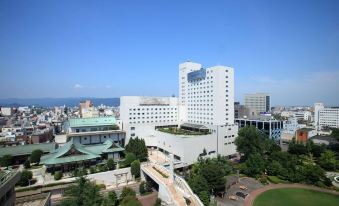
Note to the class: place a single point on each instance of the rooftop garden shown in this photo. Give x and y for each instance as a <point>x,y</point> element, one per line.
<point>180,131</point>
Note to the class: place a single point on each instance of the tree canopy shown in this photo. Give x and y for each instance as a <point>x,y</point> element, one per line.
<point>35,156</point>
<point>138,147</point>
<point>251,141</point>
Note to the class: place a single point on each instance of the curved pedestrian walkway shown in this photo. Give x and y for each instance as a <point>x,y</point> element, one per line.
<point>251,197</point>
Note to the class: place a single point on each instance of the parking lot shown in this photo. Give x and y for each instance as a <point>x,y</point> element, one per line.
<point>247,184</point>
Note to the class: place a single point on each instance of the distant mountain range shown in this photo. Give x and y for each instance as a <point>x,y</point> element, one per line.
<point>51,102</point>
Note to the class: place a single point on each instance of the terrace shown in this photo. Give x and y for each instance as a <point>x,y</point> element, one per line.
<point>186,129</point>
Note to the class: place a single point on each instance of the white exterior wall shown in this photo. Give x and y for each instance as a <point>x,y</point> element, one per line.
<point>95,139</point>
<point>145,113</point>
<point>210,101</point>
<point>188,148</point>
<point>325,116</point>
<point>6,111</point>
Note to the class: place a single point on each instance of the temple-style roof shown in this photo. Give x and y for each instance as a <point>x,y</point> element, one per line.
<point>75,152</point>
<point>89,122</point>
<point>26,149</point>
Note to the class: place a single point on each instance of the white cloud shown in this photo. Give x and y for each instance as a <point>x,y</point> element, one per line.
<point>78,86</point>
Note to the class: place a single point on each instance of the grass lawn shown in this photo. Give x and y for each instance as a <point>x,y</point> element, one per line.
<point>296,197</point>
<point>276,180</point>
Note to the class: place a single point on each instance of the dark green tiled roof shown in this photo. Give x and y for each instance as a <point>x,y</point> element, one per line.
<point>85,152</point>
<point>26,149</point>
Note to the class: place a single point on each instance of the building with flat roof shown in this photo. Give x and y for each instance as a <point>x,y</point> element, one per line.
<point>304,134</point>
<point>261,102</point>
<point>270,127</point>
<point>96,130</point>
<point>8,180</point>
<point>86,109</point>
<point>325,116</point>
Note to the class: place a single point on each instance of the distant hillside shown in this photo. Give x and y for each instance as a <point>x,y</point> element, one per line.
<point>51,102</point>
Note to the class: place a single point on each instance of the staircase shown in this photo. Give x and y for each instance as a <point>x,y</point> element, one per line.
<point>177,189</point>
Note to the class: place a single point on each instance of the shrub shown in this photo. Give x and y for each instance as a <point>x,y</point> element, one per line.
<point>142,189</point>
<point>57,175</point>
<point>27,164</point>
<point>26,177</point>
<point>158,202</point>
<point>101,186</point>
<point>126,191</point>
<point>92,170</point>
<point>135,168</point>
<point>36,155</point>
<point>110,164</point>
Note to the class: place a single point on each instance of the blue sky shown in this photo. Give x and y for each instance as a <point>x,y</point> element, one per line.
<point>111,48</point>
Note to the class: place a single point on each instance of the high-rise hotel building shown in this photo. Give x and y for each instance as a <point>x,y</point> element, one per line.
<point>206,96</point>
<point>206,101</point>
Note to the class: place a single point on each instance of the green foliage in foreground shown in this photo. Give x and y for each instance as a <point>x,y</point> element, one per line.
<point>295,197</point>
<point>86,193</point>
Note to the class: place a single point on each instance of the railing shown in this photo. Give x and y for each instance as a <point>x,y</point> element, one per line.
<point>155,178</point>
<point>182,184</point>
<point>184,187</point>
<point>5,176</point>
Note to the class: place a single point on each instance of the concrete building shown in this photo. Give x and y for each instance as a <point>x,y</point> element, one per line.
<point>259,101</point>
<point>241,111</point>
<point>8,179</point>
<point>304,134</point>
<point>95,130</point>
<point>206,96</point>
<point>86,109</point>
<point>325,117</point>
<point>142,115</point>
<point>271,127</point>
<point>6,111</point>
<point>206,100</point>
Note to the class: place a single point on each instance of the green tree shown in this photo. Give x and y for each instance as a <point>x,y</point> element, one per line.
<point>255,165</point>
<point>126,191</point>
<point>130,201</point>
<point>83,193</point>
<point>148,186</point>
<point>6,160</point>
<point>130,157</point>
<point>204,196</point>
<point>251,141</point>
<point>138,147</point>
<point>26,177</point>
<point>198,184</point>
<point>214,175</point>
<point>142,188</point>
<point>328,160</point>
<point>111,199</point>
<point>296,148</point>
<point>27,164</point>
<point>335,133</point>
<point>36,155</point>
<point>274,168</point>
<point>135,168</point>
<point>157,202</point>
<point>110,164</point>
<point>313,173</point>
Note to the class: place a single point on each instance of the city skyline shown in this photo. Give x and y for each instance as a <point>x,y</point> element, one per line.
<point>113,49</point>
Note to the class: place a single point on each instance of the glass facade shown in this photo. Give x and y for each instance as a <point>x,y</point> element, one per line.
<point>196,75</point>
